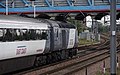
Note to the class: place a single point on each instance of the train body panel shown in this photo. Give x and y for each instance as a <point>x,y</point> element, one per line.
<point>34,42</point>
<point>71,40</point>
<point>22,48</point>
<point>76,39</point>
<point>22,38</point>
<point>55,36</point>
<point>47,43</point>
<point>64,39</point>
<point>22,25</point>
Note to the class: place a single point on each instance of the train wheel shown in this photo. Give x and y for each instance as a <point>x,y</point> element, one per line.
<point>40,60</point>
<point>59,55</point>
<point>54,57</point>
<point>49,59</point>
<point>66,54</point>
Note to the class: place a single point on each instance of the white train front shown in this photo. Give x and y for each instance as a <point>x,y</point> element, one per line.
<point>27,42</point>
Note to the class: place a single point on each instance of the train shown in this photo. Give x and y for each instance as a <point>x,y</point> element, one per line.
<point>27,42</point>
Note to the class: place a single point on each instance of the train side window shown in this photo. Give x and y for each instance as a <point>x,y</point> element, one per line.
<point>1,34</point>
<point>4,32</point>
<point>38,34</point>
<point>57,32</point>
<point>44,35</point>
<point>25,34</point>
<point>32,34</point>
<point>18,34</point>
<point>14,34</point>
<point>8,35</point>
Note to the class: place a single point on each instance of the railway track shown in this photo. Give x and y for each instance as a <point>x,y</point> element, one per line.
<point>65,67</point>
<point>53,69</point>
<point>68,69</point>
<point>90,55</point>
<point>77,66</point>
<point>103,44</point>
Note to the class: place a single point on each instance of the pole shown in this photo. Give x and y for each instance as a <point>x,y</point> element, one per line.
<point>96,30</point>
<point>6,7</point>
<point>34,11</point>
<point>52,3</point>
<point>13,4</point>
<point>86,71</point>
<point>113,37</point>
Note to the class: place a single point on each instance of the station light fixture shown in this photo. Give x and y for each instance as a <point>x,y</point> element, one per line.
<point>100,15</point>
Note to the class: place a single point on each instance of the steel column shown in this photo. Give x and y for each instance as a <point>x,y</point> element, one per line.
<point>113,61</point>
<point>90,3</point>
<point>49,3</point>
<point>69,3</point>
<point>24,1</point>
<point>6,7</point>
<point>2,5</point>
<point>93,2</point>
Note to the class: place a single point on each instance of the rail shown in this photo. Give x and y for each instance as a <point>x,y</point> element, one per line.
<point>82,57</point>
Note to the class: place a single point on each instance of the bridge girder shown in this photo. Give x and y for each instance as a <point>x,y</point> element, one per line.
<point>28,6</point>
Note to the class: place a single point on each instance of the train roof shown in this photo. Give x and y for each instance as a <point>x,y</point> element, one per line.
<point>18,18</point>
<point>13,21</point>
<point>66,25</point>
<point>55,23</point>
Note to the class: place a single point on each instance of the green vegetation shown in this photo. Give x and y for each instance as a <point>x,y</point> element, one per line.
<point>103,29</point>
<point>118,71</point>
<point>86,42</point>
<point>108,72</point>
<point>81,27</point>
<point>100,73</point>
<point>79,24</point>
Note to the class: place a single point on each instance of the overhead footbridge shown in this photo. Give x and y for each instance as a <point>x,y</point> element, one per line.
<point>29,6</point>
